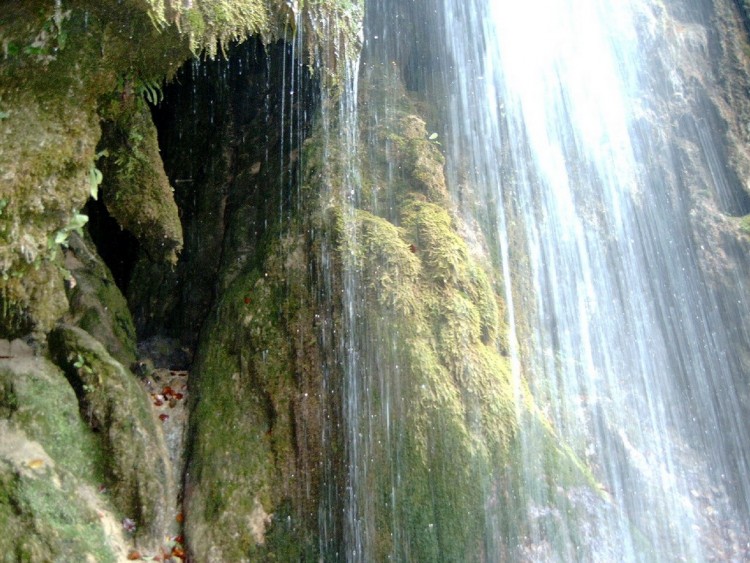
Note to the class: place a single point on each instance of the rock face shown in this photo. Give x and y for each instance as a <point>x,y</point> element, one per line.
<point>330,331</point>
<point>704,153</point>
<point>116,408</point>
<point>96,304</point>
<point>74,86</point>
<point>51,468</point>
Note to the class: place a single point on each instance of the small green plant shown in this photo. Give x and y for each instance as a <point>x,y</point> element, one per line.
<point>60,237</point>
<point>86,371</point>
<point>76,224</point>
<point>95,175</point>
<point>150,89</point>
<point>81,365</point>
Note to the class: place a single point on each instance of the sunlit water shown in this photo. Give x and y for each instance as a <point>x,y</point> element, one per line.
<point>625,343</point>
<point>618,330</point>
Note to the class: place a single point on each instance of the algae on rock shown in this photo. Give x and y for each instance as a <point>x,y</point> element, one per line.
<point>117,408</point>
<point>96,304</point>
<point>136,190</point>
<point>50,467</point>
<point>257,373</point>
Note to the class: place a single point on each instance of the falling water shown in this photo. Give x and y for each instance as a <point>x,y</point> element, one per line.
<point>620,331</point>
<point>565,148</point>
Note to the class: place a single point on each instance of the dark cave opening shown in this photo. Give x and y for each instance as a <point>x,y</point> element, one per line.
<point>230,132</point>
<point>117,247</point>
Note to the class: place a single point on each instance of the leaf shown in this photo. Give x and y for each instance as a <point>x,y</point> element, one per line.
<point>151,90</point>
<point>61,237</point>
<point>77,223</point>
<point>433,137</point>
<point>36,463</point>
<point>95,178</point>
<point>80,362</point>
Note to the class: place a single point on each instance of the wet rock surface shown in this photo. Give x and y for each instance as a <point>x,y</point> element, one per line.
<point>114,406</point>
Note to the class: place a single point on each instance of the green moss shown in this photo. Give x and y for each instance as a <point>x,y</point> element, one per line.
<point>442,251</point>
<point>744,224</point>
<point>430,341</point>
<point>45,521</point>
<point>32,298</point>
<point>212,24</point>
<point>38,399</point>
<point>96,304</point>
<point>49,96</point>
<point>453,399</point>
<point>46,454</point>
<point>136,190</point>
<point>380,250</point>
<point>118,409</point>
<point>250,378</point>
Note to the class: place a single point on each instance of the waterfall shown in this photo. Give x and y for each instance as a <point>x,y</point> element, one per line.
<point>583,141</point>
<point>625,338</point>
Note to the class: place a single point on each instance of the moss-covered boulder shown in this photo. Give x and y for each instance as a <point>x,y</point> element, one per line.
<point>117,409</point>
<point>379,329</point>
<point>58,63</point>
<point>51,468</point>
<point>96,303</point>
<point>135,189</point>
<point>257,372</point>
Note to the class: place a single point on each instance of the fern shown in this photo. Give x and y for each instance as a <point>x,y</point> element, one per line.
<point>150,90</point>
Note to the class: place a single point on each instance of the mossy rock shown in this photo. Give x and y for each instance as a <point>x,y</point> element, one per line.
<point>228,478</point>
<point>96,303</point>
<point>32,299</point>
<point>42,517</point>
<point>59,62</point>
<point>50,467</point>
<point>117,408</point>
<point>427,325</point>
<point>256,499</point>
<point>437,415</point>
<point>136,190</point>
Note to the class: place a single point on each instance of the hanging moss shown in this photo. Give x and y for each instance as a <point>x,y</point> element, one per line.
<point>211,24</point>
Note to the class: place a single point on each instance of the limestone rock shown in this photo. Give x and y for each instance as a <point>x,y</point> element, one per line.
<point>117,408</point>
